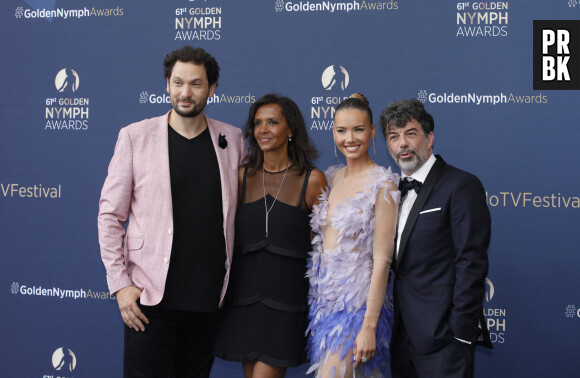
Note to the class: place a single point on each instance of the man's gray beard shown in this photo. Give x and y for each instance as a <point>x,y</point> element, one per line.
<point>414,163</point>
<point>410,165</point>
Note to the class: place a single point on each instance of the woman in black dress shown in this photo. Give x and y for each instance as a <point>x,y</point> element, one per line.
<point>265,315</point>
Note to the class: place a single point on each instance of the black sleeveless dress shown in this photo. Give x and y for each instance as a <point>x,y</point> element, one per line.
<point>266,307</point>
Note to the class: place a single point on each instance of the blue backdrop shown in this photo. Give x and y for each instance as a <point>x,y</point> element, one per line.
<point>75,72</point>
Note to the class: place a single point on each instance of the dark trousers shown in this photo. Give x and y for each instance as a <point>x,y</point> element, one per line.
<point>455,360</point>
<point>174,344</point>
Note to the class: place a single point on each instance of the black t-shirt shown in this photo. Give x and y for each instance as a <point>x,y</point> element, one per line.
<point>198,254</point>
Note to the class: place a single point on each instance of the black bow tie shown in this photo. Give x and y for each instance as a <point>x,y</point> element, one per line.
<point>406,185</point>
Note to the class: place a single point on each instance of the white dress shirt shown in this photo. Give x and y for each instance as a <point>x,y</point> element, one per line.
<point>409,199</point>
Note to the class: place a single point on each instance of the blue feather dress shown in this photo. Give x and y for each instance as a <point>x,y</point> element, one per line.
<point>340,276</point>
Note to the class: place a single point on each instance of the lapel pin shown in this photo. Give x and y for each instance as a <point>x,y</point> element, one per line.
<point>222,142</point>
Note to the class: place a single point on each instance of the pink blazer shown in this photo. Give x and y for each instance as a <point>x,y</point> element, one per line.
<point>138,189</point>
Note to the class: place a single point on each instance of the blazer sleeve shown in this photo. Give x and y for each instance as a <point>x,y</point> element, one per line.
<point>471,229</point>
<point>114,208</point>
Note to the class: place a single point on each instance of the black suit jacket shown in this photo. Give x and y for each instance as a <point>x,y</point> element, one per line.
<point>442,261</point>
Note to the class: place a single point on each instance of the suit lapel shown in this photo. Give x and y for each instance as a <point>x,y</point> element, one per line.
<point>422,197</point>
<point>223,162</point>
<point>161,160</point>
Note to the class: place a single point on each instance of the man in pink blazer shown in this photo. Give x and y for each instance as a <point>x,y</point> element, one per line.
<point>172,182</point>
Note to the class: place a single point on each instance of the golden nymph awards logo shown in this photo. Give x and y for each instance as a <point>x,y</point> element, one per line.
<point>66,113</point>
<point>482,19</point>
<point>199,23</point>
<point>495,317</point>
<point>335,79</point>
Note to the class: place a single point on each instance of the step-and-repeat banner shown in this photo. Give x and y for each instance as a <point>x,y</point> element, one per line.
<point>501,79</point>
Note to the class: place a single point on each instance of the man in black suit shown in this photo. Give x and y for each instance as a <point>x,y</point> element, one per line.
<point>440,255</point>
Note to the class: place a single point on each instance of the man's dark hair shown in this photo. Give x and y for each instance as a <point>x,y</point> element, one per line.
<point>398,113</point>
<point>188,54</point>
<point>301,150</point>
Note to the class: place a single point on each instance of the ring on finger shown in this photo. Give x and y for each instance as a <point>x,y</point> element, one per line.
<point>364,360</point>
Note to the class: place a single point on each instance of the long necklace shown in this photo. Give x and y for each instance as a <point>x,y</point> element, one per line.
<point>275,198</point>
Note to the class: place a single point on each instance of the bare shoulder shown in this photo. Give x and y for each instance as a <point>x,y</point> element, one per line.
<point>316,185</point>
<point>317,179</point>
<point>241,170</point>
<point>390,186</point>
